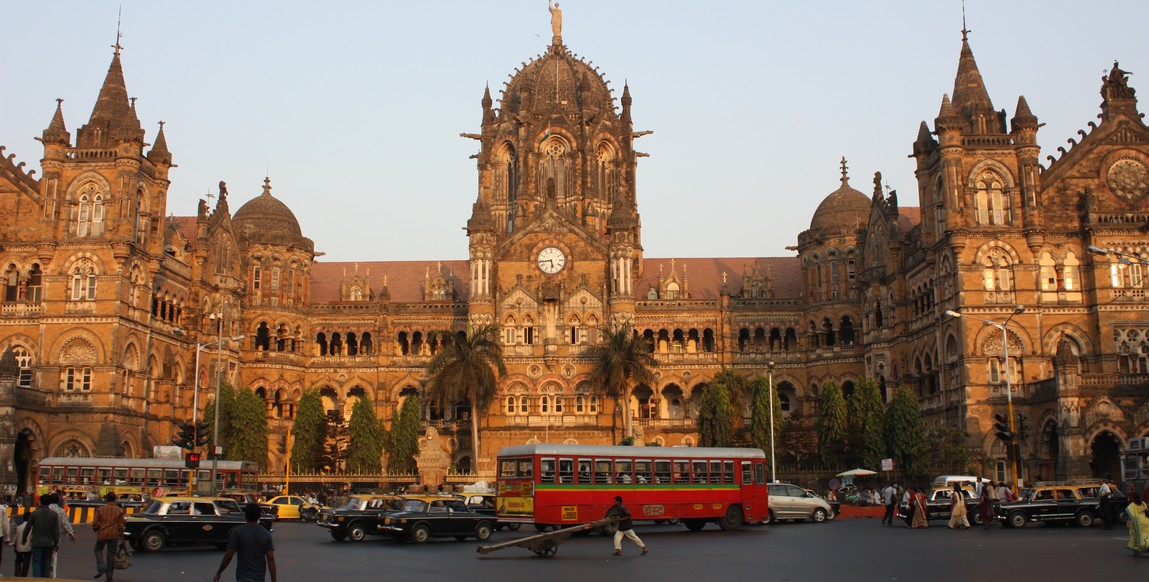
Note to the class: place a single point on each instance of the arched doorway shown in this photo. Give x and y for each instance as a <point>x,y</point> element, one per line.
<point>1105,455</point>
<point>1049,448</point>
<point>23,456</point>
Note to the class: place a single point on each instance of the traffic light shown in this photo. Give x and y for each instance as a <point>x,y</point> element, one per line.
<point>191,460</point>
<point>185,436</point>
<point>1022,429</point>
<point>202,433</point>
<point>1001,427</point>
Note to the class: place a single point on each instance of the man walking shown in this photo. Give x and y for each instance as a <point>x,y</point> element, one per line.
<point>109,527</point>
<point>252,542</point>
<point>625,528</point>
<point>57,505</point>
<point>1106,507</point>
<point>44,532</point>
<point>890,500</point>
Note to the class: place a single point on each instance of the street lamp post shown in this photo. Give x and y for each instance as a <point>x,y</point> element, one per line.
<point>1008,388</point>
<point>770,378</point>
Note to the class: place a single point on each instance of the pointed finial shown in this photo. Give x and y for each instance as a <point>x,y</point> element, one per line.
<point>267,186</point>
<point>845,172</point>
<point>133,100</point>
<point>119,35</point>
<point>59,103</point>
<point>162,122</point>
<point>964,31</point>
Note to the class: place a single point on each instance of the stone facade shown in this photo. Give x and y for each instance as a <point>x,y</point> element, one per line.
<point>117,321</point>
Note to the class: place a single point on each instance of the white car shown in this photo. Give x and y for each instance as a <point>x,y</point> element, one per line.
<point>788,501</point>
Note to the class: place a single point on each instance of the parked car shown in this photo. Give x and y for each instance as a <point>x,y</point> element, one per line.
<point>1077,503</point>
<point>788,501</point>
<point>486,503</point>
<point>835,505</point>
<point>425,517</point>
<point>938,505</point>
<point>185,520</point>
<point>245,497</point>
<point>287,506</point>
<point>355,519</point>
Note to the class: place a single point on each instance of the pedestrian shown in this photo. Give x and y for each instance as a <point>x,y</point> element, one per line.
<point>1106,506</point>
<point>957,508</point>
<point>1138,525</point>
<point>987,507</point>
<point>5,529</point>
<point>252,543</point>
<point>109,527</point>
<point>889,498</point>
<point>920,519</point>
<point>43,535</point>
<point>625,527</point>
<point>23,546</point>
<point>58,505</point>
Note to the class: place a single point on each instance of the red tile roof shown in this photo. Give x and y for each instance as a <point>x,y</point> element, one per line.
<point>704,275</point>
<point>404,278</point>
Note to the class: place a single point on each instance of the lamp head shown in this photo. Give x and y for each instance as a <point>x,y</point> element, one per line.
<point>1097,250</point>
<point>1018,309</point>
<point>952,313</point>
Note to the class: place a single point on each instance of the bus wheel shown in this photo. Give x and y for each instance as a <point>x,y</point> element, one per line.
<point>732,520</point>
<point>541,526</point>
<point>694,524</point>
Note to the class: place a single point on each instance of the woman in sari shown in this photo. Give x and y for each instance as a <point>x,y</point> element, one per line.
<point>1138,525</point>
<point>918,503</point>
<point>957,508</point>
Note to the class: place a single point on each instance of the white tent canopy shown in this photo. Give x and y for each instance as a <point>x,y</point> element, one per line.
<point>857,473</point>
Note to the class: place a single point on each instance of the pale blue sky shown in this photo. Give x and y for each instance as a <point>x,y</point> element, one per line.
<point>354,108</point>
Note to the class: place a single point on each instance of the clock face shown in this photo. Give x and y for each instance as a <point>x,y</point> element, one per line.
<point>551,260</point>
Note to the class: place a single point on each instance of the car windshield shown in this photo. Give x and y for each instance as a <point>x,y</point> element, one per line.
<point>415,505</point>
<point>354,503</point>
<point>227,506</point>
<point>154,508</point>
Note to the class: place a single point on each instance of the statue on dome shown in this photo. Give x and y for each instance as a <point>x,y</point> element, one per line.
<point>556,19</point>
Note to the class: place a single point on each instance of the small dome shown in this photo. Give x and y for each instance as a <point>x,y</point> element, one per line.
<point>267,220</point>
<point>844,211</point>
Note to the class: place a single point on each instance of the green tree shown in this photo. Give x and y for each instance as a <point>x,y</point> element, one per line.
<point>906,433</point>
<point>247,436</point>
<point>403,440</point>
<point>467,369</point>
<point>335,448</point>
<point>949,452</point>
<point>760,413</point>
<point>798,440</point>
<point>832,424</point>
<point>310,433</point>
<point>621,362</point>
<point>866,414</point>
<point>715,417</point>
<point>364,453</point>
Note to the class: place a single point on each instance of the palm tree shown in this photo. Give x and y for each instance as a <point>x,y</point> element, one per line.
<point>621,362</point>
<point>467,369</point>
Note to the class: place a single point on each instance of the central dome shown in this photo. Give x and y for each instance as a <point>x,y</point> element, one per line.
<point>557,81</point>
<point>267,220</point>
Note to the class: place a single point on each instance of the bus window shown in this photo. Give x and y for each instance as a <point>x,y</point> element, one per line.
<point>154,477</point>
<point>747,473</point>
<point>87,475</point>
<point>602,471</point>
<point>727,471</point>
<point>715,471</point>
<point>584,471</point>
<point>45,474</point>
<point>624,471</point>
<point>642,472</point>
<point>57,475</point>
<point>682,471</point>
<point>760,473</point>
<point>71,475</point>
<point>507,469</point>
<point>136,477</point>
<point>699,472</point>
<point>546,470</point>
<point>104,476</point>
<point>525,471</point>
<point>662,471</point>
<point>171,477</point>
<point>566,470</point>
<point>121,477</point>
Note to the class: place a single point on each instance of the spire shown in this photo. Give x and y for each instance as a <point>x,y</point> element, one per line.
<point>1023,118</point>
<point>57,132</point>
<point>160,153</point>
<point>626,100</point>
<point>947,116</point>
<point>481,220</point>
<point>925,142</point>
<point>113,118</point>
<point>488,113</point>
<point>970,98</point>
<point>845,173</point>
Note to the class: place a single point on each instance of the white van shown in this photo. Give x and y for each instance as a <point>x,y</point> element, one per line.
<point>948,481</point>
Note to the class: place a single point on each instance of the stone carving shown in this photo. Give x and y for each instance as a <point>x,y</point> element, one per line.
<point>557,20</point>
<point>1128,179</point>
<point>1115,85</point>
<point>78,351</point>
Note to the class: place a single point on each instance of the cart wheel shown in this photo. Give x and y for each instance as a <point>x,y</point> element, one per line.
<point>547,549</point>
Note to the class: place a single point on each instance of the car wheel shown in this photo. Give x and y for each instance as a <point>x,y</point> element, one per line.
<point>1017,519</point>
<point>1083,518</point>
<point>356,532</point>
<point>514,526</point>
<point>770,518</point>
<point>338,536</point>
<point>819,515</point>
<point>153,541</point>
<point>483,531</point>
<point>421,534</point>
<point>694,524</point>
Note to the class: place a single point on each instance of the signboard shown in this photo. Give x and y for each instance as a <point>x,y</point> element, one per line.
<point>887,464</point>
<point>167,452</point>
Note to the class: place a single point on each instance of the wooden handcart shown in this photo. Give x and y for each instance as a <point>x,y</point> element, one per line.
<point>546,544</point>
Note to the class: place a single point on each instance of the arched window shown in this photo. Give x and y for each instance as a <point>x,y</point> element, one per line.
<point>1070,272</point>
<point>1048,272</point>
<point>84,281</point>
<point>554,168</point>
<point>990,200</point>
<point>997,271</point>
<point>24,364</point>
<point>606,179</point>
<point>507,182</point>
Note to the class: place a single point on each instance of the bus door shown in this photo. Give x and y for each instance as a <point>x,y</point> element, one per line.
<point>516,489</point>
<point>753,485</point>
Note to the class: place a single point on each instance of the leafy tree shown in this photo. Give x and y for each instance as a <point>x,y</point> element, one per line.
<point>467,369</point>
<point>738,390</point>
<point>621,362</point>
<point>906,433</point>
<point>335,450</point>
<point>310,433</point>
<point>866,421</point>
<point>247,436</point>
<point>832,424</point>
<point>366,433</point>
<point>950,452</point>
<point>760,413</point>
<point>798,439</point>
<point>715,417</point>
<point>403,440</point>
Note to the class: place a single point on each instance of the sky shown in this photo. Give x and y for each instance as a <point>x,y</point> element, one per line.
<point>354,109</point>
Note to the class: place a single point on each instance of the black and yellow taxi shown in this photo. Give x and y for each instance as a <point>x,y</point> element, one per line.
<point>355,518</point>
<point>939,505</point>
<point>427,516</point>
<point>184,521</point>
<point>1073,502</point>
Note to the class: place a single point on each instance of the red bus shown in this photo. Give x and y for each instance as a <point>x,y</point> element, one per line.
<point>562,485</point>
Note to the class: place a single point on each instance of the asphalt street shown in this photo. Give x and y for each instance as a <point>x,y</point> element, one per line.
<point>857,549</point>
